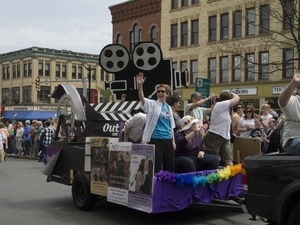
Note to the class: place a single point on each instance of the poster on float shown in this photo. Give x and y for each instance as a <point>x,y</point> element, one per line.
<point>141,177</point>
<point>99,153</point>
<point>118,172</point>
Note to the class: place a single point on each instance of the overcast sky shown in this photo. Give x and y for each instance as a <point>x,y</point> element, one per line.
<point>77,25</point>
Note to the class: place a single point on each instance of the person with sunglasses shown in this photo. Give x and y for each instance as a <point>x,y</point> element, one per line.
<point>159,125</point>
<point>246,123</point>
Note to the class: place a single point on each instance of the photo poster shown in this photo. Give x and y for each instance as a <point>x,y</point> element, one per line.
<point>99,153</point>
<point>118,172</point>
<point>141,177</point>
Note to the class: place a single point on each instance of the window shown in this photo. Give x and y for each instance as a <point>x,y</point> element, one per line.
<point>250,21</point>
<point>175,66</point>
<point>195,2</point>
<point>237,24</point>
<point>288,65</point>
<point>264,22</point>
<point>29,69</point>
<point>93,74</point>
<point>47,69</point>
<point>74,72</point>
<point>184,3</point>
<point>194,71</point>
<point>44,94</point>
<point>64,71</point>
<point>5,95</point>
<point>212,70</point>
<point>14,71</point>
<point>18,71</point>
<point>27,94</point>
<point>41,68</point>
<point>6,75</point>
<point>135,36</point>
<point>79,72</point>
<point>174,35</point>
<point>264,65</point>
<point>184,34</point>
<point>288,14</point>
<point>236,76</point>
<point>183,65</point>
<point>15,95</point>
<point>174,4</point>
<point>154,34</point>
<point>212,28</point>
<point>224,69</point>
<point>57,70</point>
<point>224,26</point>
<point>25,69</point>
<point>195,32</point>
<point>119,39</point>
<point>250,67</point>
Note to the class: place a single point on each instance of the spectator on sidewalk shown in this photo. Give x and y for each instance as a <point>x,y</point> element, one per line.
<point>26,138</point>
<point>46,138</point>
<point>19,139</point>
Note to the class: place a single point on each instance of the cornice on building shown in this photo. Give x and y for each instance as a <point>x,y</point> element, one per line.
<point>133,9</point>
<point>36,52</point>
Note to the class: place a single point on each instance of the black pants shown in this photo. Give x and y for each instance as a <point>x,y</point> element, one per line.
<point>164,155</point>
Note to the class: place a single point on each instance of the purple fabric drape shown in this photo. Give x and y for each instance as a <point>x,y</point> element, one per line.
<point>169,197</point>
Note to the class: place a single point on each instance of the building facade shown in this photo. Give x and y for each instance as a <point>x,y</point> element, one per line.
<point>136,21</point>
<point>241,46</point>
<point>29,76</point>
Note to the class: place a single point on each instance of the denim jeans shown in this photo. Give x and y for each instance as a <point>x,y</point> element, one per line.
<point>292,146</point>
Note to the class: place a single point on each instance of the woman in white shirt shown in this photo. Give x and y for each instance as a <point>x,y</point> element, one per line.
<point>246,123</point>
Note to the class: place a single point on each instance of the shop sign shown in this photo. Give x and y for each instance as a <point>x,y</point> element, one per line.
<point>277,89</point>
<point>242,91</point>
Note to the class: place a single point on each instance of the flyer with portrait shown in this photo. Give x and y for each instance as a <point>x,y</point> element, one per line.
<point>99,153</point>
<point>118,172</point>
<point>141,177</point>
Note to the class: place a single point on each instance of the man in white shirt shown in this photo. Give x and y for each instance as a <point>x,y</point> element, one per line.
<point>134,128</point>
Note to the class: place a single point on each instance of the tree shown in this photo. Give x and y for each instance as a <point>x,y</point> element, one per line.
<point>272,27</point>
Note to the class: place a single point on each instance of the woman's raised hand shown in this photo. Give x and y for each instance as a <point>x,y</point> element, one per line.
<point>140,78</point>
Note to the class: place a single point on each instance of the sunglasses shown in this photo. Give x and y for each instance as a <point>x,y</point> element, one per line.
<point>239,107</point>
<point>248,111</point>
<point>161,91</point>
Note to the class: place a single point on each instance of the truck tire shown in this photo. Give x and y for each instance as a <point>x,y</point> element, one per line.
<point>294,216</point>
<point>81,193</point>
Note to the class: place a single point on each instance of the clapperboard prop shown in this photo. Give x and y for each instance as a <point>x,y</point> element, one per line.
<point>107,119</point>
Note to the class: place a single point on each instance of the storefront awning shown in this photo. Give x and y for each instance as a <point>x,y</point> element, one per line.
<point>28,115</point>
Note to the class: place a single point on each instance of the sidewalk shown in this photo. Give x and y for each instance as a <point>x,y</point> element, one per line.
<point>11,155</point>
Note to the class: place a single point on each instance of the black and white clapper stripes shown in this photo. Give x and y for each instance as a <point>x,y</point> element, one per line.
<point>116,111</point>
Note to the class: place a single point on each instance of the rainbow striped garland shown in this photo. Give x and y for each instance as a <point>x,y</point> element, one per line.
<point>201,177</point>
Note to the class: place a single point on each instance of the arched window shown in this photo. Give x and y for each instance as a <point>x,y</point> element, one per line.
<point>135,36</point>
<point>154,34</point>
<point>119,39</point>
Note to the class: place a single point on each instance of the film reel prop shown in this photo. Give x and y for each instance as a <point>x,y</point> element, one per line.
<point>146,55</point>
<point>114,58</point>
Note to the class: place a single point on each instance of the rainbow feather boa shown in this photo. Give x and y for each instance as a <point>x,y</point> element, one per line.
<point>199,178</point>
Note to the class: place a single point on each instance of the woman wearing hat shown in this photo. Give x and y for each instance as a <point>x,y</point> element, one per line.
<point>189,154</point>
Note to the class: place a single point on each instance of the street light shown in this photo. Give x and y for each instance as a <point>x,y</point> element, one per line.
<point>89,69</point>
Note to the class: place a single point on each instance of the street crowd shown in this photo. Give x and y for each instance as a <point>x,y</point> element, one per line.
<point>28,139</point>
